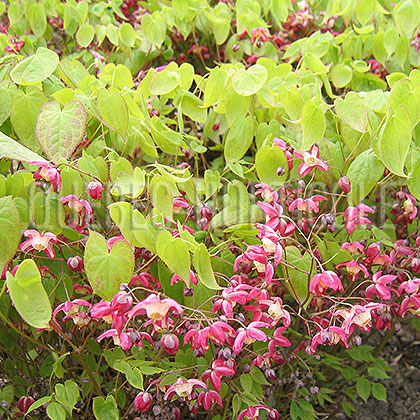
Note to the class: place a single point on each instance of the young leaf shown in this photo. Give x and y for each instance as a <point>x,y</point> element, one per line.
<point>267,160</point>
<point>352,111</point>
<point>395,140</point>
<point>238,139</point>
<point>313,124</point>
<point>107,270</point>
<point>250,81</point>
<point>114,110</point>
<point>35,68</point>
<point>204,269</point>
<point>56,412</point>
<point>363,388</point>
<point>10,232</point>
<point>174,253</point>
<point>364,173</point>
<point>105,409</point>
<point>85,35</point>
<point>59,131</point>
<point>29,296</point>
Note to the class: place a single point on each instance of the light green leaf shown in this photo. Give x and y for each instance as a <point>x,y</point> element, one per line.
<point>341,75</point>
<point>114,110</point>
<point>352,111</point>
<point>59,131</point>
<point>56,412</point>
<point>11,149</point>
<point>313,124</point>
<point>29,296</point>
<point>127,34</point>
<point>10,232</point>
<point>161,196</point>
<point>364,10</point>
<point>130,185</point>
<point>364,173</point>
<point>84,35</point>
<point>164,82</point>
<point>105,409</point>
<point>174,253</point>
<point>204,269</point>
<point>107,270</point>
<point>250,81</point>
<point>395,140</point>
<point>48,212</point>
<point>379,391</point>
<point>214,86</point>
<point>267,160</point>
<point>279,8</point>
<point>35,68</point>
<point>238,139</point>
<point>37,18</point>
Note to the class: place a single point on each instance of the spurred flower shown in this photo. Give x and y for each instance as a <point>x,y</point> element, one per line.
<point>209,398</point>
<point>218,370</point>
<point>287,151</point>
<point>321,282</point>
<point>183,388</point>
<point>354,269</point>
<point>310,160</point>
<point>330,336</point>
<point>48,173</point>
<point>380,286</point>
<point>259,34</point>
<point>39,242</point>
<point>354,216</point>
<point>75,263</point>
<point>305,206</point>
<point>249,335</point>
<point>155,308</point>
<point>253,413</point>
<point>358,316</point>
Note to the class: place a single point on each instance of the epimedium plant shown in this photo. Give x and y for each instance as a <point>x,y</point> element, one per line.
<point>208,208</point>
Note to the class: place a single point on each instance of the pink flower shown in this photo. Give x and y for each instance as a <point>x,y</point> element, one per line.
<point>75,264</point>
<point>253,413</point>
<point>83,210</point>
<point>48,173</point>
<point>307,205</point>
<point>311,160</point>
<point>193,278</point>
<point>278,340</point>
<point>358,316</point>
<point>259,34</point>
<point>353,247</point>
<point>209,398</point>
<point>249,335</point>
<point>321,282</point>
<point>216,332</point>
<point>219,369</point>
<point>143,402</point>
<point>353,217</point>
<point>330,336</point>
<point>183,388</point>
<point>155,308</point>
<point>73,310</point>
<point>380,286</point>
<point>287,151</point>
<point>180,203</point>
<point>354,269</point>
<point>39,242</point>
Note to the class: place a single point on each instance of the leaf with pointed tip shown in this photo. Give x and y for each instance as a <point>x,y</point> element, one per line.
<point>11,149</point>
<point>10,231</point>
<point>352,111</point>
<point>29,296</point>
<point>59,131</point>
<point>107,270</point>
<point>114,110</point>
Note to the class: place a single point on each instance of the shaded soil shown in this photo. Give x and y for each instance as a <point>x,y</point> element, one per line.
<point>402,353</point>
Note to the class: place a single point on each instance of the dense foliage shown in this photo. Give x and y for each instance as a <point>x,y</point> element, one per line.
<point>208,209</point>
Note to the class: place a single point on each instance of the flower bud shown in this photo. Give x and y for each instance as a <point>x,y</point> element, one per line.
<point>94,189</point>
<point>273,415</point>
<point>143,402</point>
<point>357,340</point>
<point>270,374</point>
<point>314,390</point>
<point>75,264</point>
<point>235,47</point>
<point>24,403</point>
<point>345,184</point>
<point>280,171</point>
<point>170,343</point>
<point>188,291</point>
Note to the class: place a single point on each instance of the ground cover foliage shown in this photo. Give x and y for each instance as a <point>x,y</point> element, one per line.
<point>208,209</point>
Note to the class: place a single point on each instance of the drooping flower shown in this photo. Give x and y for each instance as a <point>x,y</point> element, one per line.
<point>310,160</point>
<point>83,210</point>
<point>322,281</point>
<point>48,173</point>
<point>39,242</point>
<point>208,398</point>
<point>259,34</point>
<point>354,216</point>
<point>252,413</point>
<point>354,269</point>
<point>143,402</point>
<point>94,189</point>
<point>217,371</point>
<point>330,336</point>
<point>288,151</point>
<point>170,343</point>
<point>358,316</point>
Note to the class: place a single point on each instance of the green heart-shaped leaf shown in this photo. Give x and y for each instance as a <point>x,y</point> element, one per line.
<point>29,296</point>
<point>107,270</point>
<point>114,110</point>
<point>59,131</point>
<point>10,231</point>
